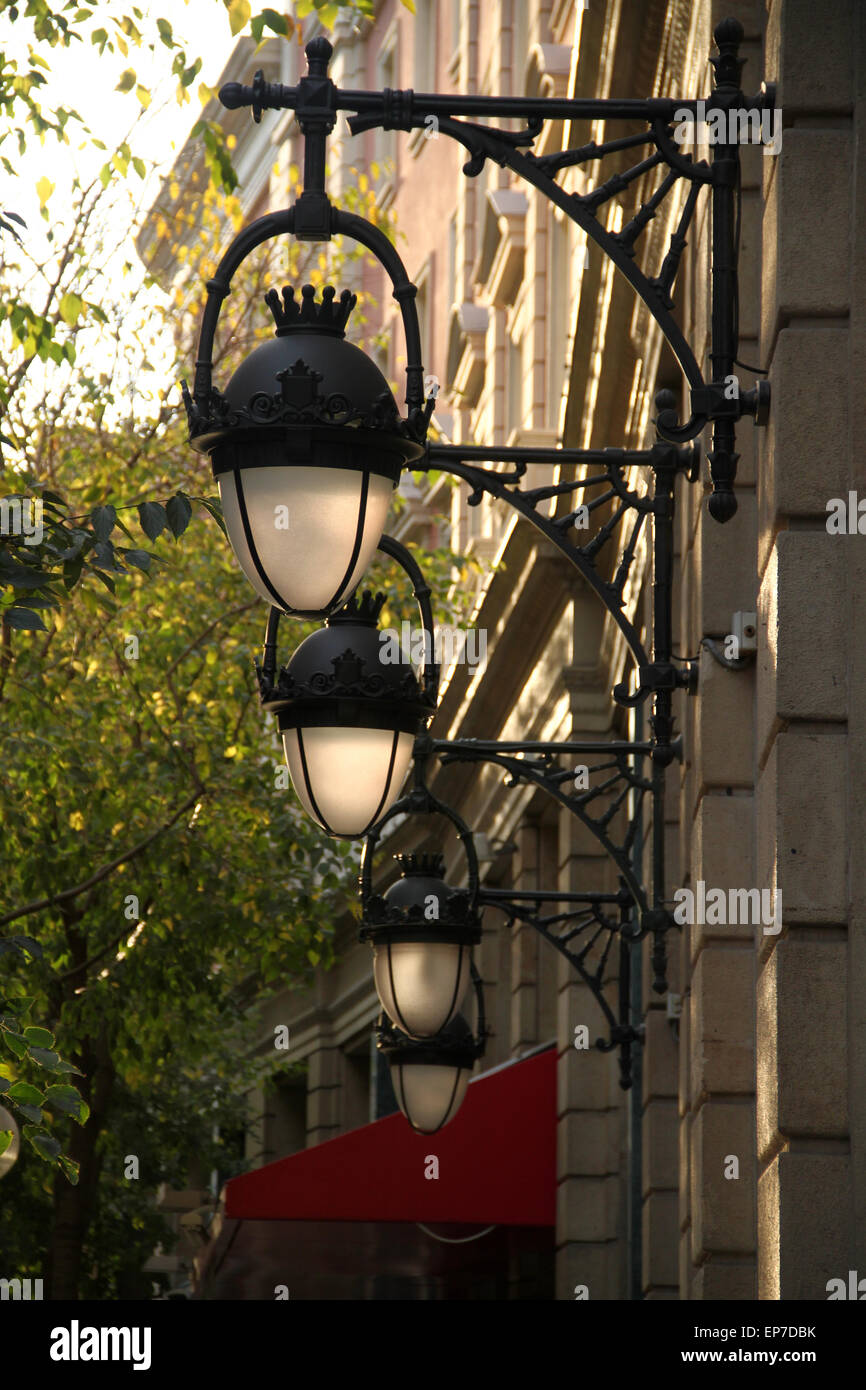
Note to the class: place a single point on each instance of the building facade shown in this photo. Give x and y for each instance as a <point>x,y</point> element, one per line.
<point>736,1166</point>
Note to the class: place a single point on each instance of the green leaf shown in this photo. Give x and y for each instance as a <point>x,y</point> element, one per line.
<point>103,521</point>
<point>33,1113</point>
<point>212,506</point>
<point>70,308</point>
<point>139,558</point>
<point>178,512</point>
<point>153,519</point>
<point>5,1140</point>
<point>280,23</point>
<point>16,1044</point>
<point>72,573</point>
<point>23,620</point>
<point>127,81</point>
<point>68,1101</point>
<point>49,1061</point>
<point>46,1147</point>
<point>20,1005</point>
<point>103,557</point>
<point>46,1058</point>
<point>70,1168</point>
<point>21,576</point>
<point>22,1091</point>
<point>39,1037</point>
<point>239,13</point>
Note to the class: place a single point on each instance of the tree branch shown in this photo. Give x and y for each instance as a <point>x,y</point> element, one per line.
<point>68,894</point>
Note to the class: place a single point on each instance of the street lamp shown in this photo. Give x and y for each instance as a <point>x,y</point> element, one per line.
<point>329,457</point>
<point>307,447</point>
<point>422,933</point>
<point>348,716</point>
<point>430,1078</point>
<point>348,720</point>
<point>430,1075</point>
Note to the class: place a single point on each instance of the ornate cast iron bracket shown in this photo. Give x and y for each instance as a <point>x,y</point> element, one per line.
<point>316,100</point>
<point>604,479</point>
<point>584,932</point>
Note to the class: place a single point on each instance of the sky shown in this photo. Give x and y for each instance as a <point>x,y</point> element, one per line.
<point>84,80</point>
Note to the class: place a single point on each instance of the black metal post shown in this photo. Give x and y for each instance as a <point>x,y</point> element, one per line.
<point>726,159</point>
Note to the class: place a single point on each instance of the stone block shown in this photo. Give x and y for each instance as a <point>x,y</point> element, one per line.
<point>802,1025</point>
<point>660,1062</point>
<point>802,640</point>
<point>806,444</point>
<point>724,568</point>
<point>811,60</point>
<point>599,1268</point>
<point>723,1207</point>
<point>725,702</point>
<point>729,1282</point>
<point>807,239</point>
<point>723,857</point>
<point>723,1022</point>
<point>588,1143</point>
<point>660,1242</point>
<point>659,1137</point>
<point>590,1209</point>
<point>805,1226</point>
<point>801,798</point>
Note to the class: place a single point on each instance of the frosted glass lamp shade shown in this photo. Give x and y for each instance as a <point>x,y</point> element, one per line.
<point>9,1157</point>
<point>429,1095</point>
<point>304,536</point>
<point>421,984</point>
<point>347,778</point>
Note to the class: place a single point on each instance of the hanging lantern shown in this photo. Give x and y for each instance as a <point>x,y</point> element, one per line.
<point>422,933</point>
<point>307,446</point>
<point>348,719</point>
<point>430,1077</point>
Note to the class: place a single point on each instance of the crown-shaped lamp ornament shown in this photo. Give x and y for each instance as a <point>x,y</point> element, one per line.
<point>319,316</point>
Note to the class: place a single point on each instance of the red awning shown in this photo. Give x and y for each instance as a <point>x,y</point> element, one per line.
<point>496,1163</point>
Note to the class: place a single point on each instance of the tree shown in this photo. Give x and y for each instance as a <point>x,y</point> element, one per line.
<point>161,871</point>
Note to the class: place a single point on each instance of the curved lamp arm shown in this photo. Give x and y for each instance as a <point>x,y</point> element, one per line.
<point>420,800</point>
<point>421,590</point>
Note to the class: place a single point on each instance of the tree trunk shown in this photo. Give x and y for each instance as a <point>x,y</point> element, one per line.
<point>74,1206</point>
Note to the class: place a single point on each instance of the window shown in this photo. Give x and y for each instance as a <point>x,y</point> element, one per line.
<point>514,385</point>
<point>422,304</point>
<point>558,298</point>
<point>519,44</point>
<point>424,27</point>
<point>452,261</point>
<point>456,18</point>
<point>387,73</point>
